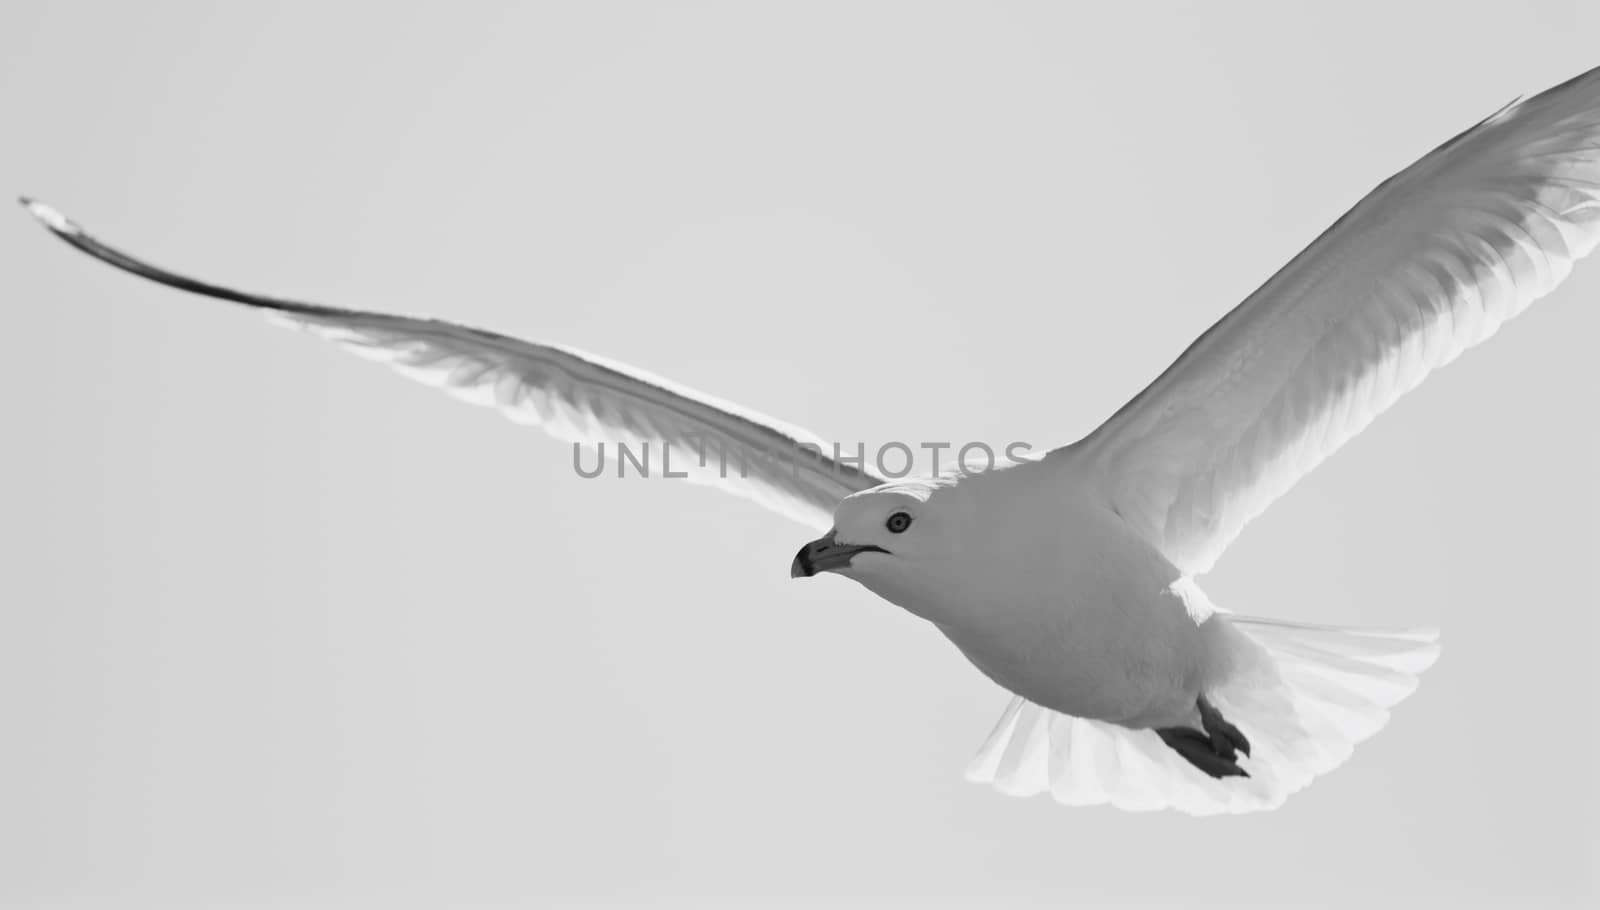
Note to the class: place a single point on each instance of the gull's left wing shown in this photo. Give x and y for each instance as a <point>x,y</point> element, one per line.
<point>572,395</point>
<point>1427,265</point>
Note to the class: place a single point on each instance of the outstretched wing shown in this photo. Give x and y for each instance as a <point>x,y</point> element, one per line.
<point>572,395</point>
<point>1427,265</point>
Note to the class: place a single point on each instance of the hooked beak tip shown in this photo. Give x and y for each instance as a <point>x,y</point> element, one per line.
<point>801,567</point>
<point>805,563</point>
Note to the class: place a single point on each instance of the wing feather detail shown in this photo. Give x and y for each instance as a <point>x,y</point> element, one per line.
<point>1429,264</point>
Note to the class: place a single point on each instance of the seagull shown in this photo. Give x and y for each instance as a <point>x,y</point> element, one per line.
<point>1069,578</point>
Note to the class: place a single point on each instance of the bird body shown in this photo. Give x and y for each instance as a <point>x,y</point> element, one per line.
<point>1109,649</point>
<point>1069,579</point>
<point>1052,596</point>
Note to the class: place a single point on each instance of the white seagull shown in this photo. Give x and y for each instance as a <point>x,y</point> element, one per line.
<point>1069,579</point>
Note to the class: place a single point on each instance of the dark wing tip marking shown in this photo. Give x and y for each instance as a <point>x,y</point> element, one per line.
<point>68,230</point>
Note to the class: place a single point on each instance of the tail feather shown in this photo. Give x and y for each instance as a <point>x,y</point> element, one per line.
<point>1304,695</point>
<point>1409,651</point>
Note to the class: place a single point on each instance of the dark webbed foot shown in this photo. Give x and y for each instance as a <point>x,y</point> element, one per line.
<point>1225,737</point>
<point>1215,751</point>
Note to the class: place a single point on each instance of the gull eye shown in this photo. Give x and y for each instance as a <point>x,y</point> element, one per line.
<point>898,522</point>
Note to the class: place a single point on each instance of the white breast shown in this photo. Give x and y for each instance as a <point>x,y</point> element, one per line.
<point>1054,597</point>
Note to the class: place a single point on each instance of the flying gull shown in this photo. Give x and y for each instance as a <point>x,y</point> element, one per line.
<point>1069,579</point>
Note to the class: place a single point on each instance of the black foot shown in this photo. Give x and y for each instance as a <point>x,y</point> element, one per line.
<point>1225,737</point>
<point>1215,751</point>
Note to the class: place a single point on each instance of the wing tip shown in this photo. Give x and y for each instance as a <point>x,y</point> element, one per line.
<point>49,217</point>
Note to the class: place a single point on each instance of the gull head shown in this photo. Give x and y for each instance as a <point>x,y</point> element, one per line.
<point>887,537</point>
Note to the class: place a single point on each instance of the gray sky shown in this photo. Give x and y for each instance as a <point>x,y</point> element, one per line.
<point>282,629</point>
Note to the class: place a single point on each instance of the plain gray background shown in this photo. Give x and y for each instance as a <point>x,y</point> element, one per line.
<point>282,629</point>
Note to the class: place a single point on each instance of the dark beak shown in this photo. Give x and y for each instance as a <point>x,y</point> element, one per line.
<point>827,555</point>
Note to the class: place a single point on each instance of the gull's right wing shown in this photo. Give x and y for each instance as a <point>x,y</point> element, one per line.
<point>572,395</point>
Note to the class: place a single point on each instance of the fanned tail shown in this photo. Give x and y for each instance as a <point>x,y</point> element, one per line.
<point>1304,695</point>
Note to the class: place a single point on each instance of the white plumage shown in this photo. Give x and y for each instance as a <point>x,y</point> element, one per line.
<point>1070,580</point>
